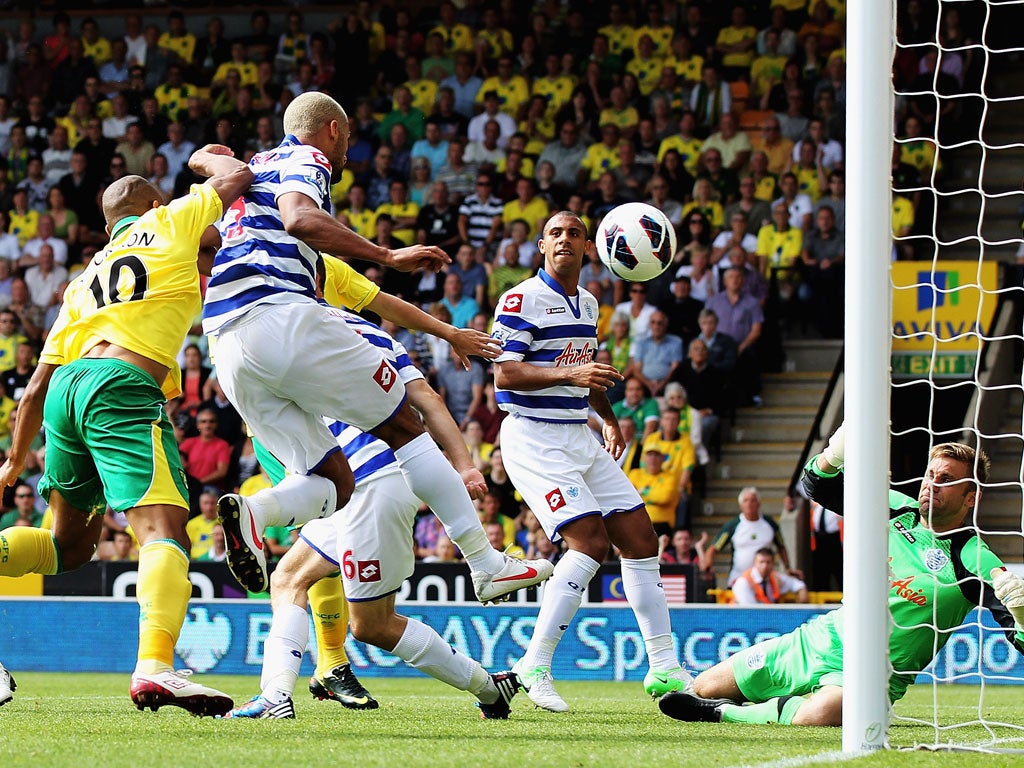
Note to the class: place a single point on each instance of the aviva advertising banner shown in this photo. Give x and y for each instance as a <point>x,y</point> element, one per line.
<point>939,316</point>
<point>602,643</point>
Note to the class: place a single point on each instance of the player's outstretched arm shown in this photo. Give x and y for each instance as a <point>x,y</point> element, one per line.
<point>228,176</point>
<point>305,220</point>
<point>465,341</point>
<point>442,427</point>
<point>30,419</point>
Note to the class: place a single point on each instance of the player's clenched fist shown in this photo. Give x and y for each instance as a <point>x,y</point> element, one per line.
<point>595,376</point>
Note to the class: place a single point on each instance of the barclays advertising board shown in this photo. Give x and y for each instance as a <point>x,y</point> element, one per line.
<point>602,643</point>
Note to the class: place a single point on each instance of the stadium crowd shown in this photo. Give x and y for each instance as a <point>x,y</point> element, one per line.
<point>472,124</point>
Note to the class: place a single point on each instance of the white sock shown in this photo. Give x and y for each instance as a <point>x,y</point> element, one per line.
<point>563,593</point>
<point>434,480</point>
<point>282,652</point>
<point>421,647</point>
<point>641,582</point>
<point>295,500</point>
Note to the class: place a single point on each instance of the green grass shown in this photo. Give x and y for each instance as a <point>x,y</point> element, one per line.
<point>80,720</point>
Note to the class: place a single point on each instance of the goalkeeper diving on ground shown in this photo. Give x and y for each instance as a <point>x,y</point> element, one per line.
<point>939,571</point>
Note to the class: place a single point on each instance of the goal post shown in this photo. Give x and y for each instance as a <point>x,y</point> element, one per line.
<point>869,135</point>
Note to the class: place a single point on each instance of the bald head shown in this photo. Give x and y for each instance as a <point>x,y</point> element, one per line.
<point>128,196</point>
<point>309,112</point>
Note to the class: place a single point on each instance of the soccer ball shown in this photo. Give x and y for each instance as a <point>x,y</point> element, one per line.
<point>636,241</point>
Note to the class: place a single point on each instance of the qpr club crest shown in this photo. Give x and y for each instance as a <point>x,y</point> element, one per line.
<point>572,492</point>
<point>755,660</point>
<point>935,560</point>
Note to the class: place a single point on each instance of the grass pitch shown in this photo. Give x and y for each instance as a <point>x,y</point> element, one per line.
<point>80,720</point>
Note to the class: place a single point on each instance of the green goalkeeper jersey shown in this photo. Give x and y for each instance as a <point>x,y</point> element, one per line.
<point>935,579</point>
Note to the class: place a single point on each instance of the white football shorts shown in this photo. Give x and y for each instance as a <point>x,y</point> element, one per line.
<point>563,473</point>
<point>287,365</point>
<point>370,539</point>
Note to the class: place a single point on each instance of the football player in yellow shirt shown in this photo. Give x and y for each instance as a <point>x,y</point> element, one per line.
<point>106,370</point>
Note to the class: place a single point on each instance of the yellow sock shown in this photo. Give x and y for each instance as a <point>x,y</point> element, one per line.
<point>163,591</point>
<point>330,622</point>
<point>28,550</point>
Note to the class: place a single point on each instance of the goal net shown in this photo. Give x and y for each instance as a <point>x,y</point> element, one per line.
<point>956,329</point>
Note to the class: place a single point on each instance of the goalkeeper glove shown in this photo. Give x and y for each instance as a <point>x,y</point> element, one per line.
<point>1009,589</point>
<point>836,448</point>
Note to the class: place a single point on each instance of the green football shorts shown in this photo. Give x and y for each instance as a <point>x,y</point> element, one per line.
<point>108,439</point>
<point>796,663</point>
<point>799,663</point>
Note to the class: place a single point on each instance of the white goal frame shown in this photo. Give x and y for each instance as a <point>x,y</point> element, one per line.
<point>871,29</point>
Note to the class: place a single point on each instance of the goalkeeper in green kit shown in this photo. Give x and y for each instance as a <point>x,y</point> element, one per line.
<point>939,571</point>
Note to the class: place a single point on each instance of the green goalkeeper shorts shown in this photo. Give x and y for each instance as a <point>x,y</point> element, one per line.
<point>799,663</point>
<point>108,439</point>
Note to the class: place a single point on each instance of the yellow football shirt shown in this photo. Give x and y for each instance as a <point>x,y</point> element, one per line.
<point>344,287</point>
<point>624,119</point>
<point>532,214</point>
<point>647,72</point>
<point>248,73</point>
<point>511,94</point>
<point>409,209</point>
<point>688,149</point>
<point>141,292</point>
<point>184,46</point>
<point>660,36</point>
<point>99,51</point>
<point>600,158</point>
<point>457,39</point>
<point>620,38</point>
<point>781,249</point>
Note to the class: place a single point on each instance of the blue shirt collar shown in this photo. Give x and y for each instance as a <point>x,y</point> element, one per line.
<point>572,301</point>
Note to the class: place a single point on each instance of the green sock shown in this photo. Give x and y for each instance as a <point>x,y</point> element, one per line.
<point>780,710</point>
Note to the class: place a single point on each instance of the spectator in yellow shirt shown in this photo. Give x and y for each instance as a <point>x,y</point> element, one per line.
<point>458,38</point>
<point>620,113</point>
<point>601,156</point>
<point>177,38</point>
<point>735,44</point>
<point>658,488</point>
<point>645,66</point>
<point>512,89</point>
<point>247,71</point>
<point>403,211</point>
<point>778,244</point>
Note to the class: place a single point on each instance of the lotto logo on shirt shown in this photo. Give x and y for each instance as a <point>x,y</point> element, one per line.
<point>555,499</point>
<point>385,376</point>
<point>369,570</point>
<point>513,303</point>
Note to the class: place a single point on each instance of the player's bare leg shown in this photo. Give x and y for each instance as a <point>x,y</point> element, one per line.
<point>433,479</point>
<point>719,682</point>
<point>823,707</point>
<point>163,592</point>
<point>71,543</point>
